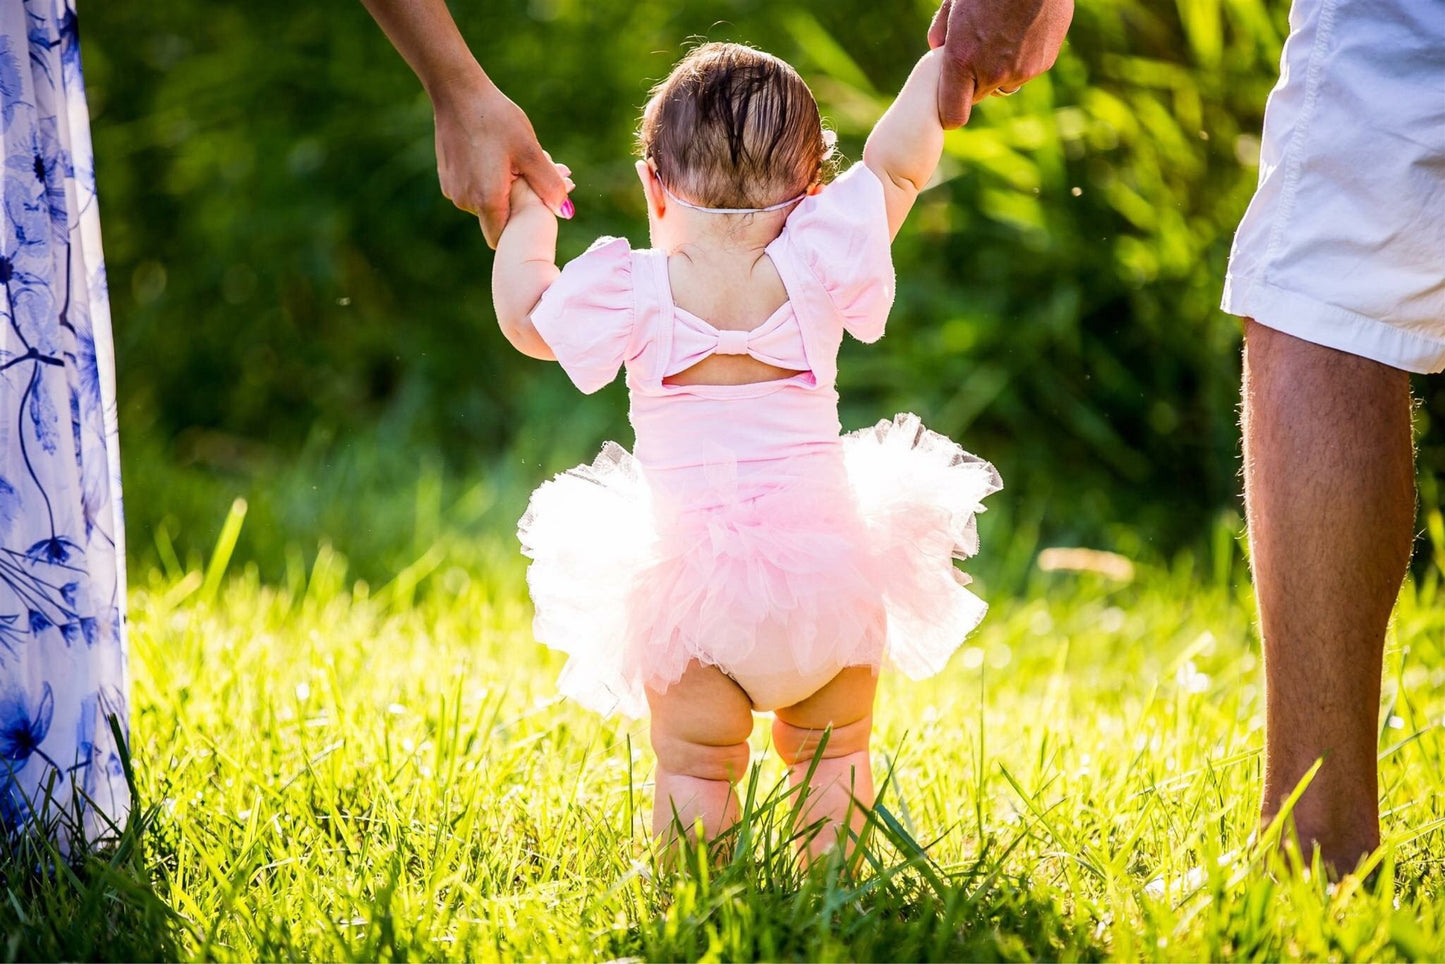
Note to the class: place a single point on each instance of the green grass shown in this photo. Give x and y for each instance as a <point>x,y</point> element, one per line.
<point>336,771</point>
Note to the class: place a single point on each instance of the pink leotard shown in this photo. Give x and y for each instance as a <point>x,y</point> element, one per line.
<point>613,306</point>
<point>744,531</point>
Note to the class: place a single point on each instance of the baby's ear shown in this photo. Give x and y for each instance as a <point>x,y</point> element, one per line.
<point>652,187</point>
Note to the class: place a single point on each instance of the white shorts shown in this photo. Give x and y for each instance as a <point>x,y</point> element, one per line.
<point>1344,242</point>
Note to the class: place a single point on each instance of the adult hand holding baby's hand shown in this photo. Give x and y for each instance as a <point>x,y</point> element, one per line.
<point>484,143</point>
<point>993,46</point>
<point>522,195</point>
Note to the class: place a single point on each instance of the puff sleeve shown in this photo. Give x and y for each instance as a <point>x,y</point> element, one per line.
<point>841,234</point>
<point>586,316</point>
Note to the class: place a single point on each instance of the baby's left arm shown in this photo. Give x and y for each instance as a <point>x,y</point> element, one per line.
<point>524,268</point>
<point>906,143</point>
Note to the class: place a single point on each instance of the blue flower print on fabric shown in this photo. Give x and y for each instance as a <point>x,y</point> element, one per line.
<point>11,88</point>
<point>23,727</point>
<point>62,580</point>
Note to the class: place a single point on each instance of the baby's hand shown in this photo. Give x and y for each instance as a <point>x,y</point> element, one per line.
<point>523,197</point>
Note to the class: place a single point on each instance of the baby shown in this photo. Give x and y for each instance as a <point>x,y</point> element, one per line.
<point>746,556</point>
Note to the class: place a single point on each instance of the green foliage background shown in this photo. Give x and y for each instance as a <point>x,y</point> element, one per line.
<point>289,285</point>
<point>358,755</point>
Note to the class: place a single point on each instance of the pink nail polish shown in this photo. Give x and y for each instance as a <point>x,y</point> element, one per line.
<point>568,209</point>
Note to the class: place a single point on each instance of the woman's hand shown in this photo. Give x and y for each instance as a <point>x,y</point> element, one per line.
<point>484,142</point>
<point>521,196</point>
<point>993,46</point>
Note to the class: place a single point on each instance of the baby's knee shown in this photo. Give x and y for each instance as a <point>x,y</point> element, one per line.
<point>702,761</point>
<point>796,744</point>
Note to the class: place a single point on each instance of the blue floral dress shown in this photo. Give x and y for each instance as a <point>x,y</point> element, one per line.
<point>62,578</point>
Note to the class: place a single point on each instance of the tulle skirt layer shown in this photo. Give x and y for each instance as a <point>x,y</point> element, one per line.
<point>779,573</point>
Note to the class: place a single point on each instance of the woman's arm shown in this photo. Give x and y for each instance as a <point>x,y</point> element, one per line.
<point>524,267</point>
<point>906,143</point>
<point>481,136</point>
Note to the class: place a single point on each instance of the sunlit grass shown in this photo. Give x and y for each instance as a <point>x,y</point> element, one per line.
<point>341,772</point>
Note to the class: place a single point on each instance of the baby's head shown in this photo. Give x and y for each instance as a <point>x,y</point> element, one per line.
<point>733,127</point>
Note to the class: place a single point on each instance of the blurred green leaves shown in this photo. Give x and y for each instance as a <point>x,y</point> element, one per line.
<point>282,262</point>
<point>1059,289</point>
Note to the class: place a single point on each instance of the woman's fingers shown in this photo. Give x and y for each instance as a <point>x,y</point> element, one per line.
<point>544,177</point>
<point>495,205</point>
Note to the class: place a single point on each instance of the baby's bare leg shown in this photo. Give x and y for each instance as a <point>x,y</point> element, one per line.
<point>700,730</point>
<point>842,784</point>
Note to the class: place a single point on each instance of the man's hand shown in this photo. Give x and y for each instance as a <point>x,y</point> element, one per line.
<point>484,142</point>
<point>993,46</point>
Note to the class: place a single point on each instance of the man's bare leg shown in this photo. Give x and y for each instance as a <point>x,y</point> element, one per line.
<point>1330,496</point>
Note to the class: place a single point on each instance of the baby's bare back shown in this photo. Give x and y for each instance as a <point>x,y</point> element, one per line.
<point>731,293</point>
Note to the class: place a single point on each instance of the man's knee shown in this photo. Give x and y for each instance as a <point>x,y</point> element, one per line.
<point>796,744</point>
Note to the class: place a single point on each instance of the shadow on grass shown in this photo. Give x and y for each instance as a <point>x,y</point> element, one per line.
<point>94,902</point>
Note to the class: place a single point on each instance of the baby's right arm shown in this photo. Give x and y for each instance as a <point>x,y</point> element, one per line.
<point>906,143</point>
<point>523,268</point>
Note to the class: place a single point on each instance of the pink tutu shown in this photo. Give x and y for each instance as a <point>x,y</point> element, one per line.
<point>780,573</point>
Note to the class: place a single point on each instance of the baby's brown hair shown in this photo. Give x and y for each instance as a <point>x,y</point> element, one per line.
<point>733,127</point>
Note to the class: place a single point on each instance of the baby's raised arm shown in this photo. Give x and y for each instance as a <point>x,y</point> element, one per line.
<point>907,141</point>
<point>524,266</point>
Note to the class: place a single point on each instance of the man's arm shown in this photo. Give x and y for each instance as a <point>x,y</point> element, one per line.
<point>994,46</point>
<point>482,139</point>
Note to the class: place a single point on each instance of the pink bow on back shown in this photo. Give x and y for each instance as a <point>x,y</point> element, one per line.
<point>777,341</point>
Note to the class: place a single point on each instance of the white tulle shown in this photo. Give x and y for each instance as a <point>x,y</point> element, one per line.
<point>812,563</point>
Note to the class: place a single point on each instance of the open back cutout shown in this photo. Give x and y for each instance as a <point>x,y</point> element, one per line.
<point>736,319</point>
<point>731,370</point>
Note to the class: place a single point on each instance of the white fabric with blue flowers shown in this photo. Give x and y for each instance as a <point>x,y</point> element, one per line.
<point>62,579</point>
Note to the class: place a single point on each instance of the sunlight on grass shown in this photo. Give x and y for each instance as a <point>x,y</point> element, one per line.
<point>343,772</point>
